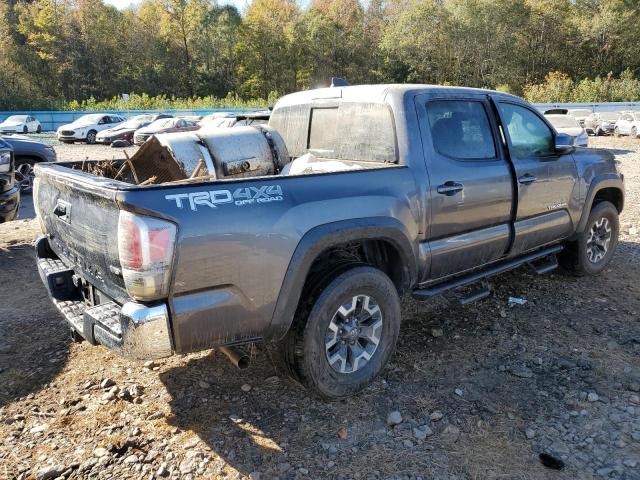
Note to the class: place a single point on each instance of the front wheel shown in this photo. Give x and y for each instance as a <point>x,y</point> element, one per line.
<point>591,252</point>
<point>91,137</point>
<point>39,129</point>
<point>345,338</point>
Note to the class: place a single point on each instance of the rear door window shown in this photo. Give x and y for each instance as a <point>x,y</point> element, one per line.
<point>460,129</point>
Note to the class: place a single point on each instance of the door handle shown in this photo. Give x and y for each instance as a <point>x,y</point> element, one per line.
<point>450,188</point>
<point>526,179</point>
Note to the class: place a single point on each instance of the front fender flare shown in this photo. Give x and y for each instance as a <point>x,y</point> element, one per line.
<point>322,237</point>
<point>609,180</point>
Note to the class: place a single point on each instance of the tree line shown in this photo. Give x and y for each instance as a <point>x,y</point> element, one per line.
<point>57,53</point>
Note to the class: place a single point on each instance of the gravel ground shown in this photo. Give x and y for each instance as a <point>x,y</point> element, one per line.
<point>474,392</point>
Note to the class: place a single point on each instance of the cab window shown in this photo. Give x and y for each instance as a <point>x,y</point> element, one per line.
<point>529,136</point>
<point>460,129</point>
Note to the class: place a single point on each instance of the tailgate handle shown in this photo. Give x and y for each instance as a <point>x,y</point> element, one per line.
<point>62,210</point>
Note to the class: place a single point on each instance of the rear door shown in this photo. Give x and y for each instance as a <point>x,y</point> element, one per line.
<point>546,181</point>
<point>470,182</point>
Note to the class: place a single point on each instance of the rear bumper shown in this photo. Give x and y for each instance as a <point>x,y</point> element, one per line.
<point>9,204</point>
<point>133,330</point>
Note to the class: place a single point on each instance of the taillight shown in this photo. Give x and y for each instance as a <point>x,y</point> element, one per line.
<point>145,246</point>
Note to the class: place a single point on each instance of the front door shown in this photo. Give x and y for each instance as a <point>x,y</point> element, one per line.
<point>470,183</point>
<point>546,181</point>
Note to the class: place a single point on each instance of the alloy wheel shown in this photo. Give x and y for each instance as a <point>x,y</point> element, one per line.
<point>598,240</point>
<point>353,335</point>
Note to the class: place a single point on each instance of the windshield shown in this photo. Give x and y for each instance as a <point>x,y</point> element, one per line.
<point>562,121</point>
<point>610,116</point>
<point>16,118</point>
<point>133,123</point>
<point>88,119</point>
<point>163,123</point>
<point>141,118</point>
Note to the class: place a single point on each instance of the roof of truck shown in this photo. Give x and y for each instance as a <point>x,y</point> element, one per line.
<point>375,93</point>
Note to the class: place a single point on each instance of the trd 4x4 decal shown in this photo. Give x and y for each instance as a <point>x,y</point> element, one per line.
<point>239,197</point>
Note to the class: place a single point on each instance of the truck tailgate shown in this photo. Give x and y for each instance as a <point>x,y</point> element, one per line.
<point>80,216</point>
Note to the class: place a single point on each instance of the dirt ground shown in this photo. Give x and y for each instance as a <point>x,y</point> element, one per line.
<point>482,389</point>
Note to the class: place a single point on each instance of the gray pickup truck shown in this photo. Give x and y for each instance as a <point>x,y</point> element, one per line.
<point>383,190</point>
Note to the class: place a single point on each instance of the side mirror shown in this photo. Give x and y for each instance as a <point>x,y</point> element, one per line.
<point>564,144</point>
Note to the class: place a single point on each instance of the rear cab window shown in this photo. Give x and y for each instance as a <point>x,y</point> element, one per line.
<point>349,131</point>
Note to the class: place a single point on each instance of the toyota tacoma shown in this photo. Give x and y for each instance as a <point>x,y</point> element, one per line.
<point>304,233</point>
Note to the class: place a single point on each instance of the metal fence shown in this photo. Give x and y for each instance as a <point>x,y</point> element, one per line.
<point>595,107</point>
<point>50,121</point>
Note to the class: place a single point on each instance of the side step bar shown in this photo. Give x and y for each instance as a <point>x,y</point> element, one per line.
<point>428,292</point>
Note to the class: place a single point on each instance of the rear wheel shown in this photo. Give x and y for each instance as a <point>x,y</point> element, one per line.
<point>39,129</point>
<point>345,337</point>
<point>599,132</point>
<point>591,252</point>
<point>25,129</point>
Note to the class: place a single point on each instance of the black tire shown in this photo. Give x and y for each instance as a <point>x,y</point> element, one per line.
<point>91,137</point>
<point>578,256</point>
<point>25,129</point>
<point>598,132</point>
<point>39,129</point>
<point>303,351</point>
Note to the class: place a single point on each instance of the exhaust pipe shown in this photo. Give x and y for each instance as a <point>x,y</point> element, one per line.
<point>239,358</point>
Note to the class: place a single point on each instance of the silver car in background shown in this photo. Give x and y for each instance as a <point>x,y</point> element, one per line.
<point>569,125</point>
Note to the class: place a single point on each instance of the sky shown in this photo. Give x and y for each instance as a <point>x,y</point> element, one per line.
<point>240,4</point>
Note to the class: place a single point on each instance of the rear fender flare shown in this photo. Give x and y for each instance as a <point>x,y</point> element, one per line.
<point>323,237</point>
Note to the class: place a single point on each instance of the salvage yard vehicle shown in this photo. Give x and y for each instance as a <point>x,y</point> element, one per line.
<point>27,153</point>
<point>580,114</point>
<point>165,125</point>
<point>601,123</point>
<point>9,190</point>
<point>628,124</point>
<point>20,124</point>
<point>304,233</point>
<point>569,125</point>
<point>237,120</point>
<point>86,128</point>
<point>125,130</point>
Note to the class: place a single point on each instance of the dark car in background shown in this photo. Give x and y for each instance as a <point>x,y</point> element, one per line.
<point>124,131</point>
<point>27,153</point>
<point>601,123</point>
<point>164,125</point>
<point>9,190</point>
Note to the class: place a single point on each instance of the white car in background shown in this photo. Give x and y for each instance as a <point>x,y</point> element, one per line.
<point>86,128</point>
<point>20,124</point>
<point>569,125</point>
<point>628,124</point>
<point>580,114</point>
